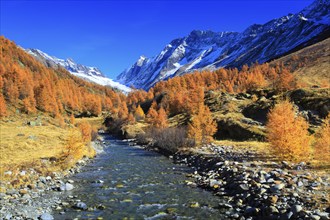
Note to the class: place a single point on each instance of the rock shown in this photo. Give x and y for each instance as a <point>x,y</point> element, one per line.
<point>244,187</point>
<point>11,192</point>
<point>273,210</point>
<point>65,204</point>
<point>262,191</point>
<point>277,187</point>
<point>22,173</point>
<point>8,173</point>
<point>80,205</point>
<point>215,183</point>
<point>46,216</point>
<point>100,207</point>
<point>32,137</point>
<point>66,187</point>
<point>194,205</point>
<point>289,215</point>
<point>225,205</point>
<point>270,180</point>
<point>48,178</point>
<point>31,186</point>
<point>43,179</point>
<point>323,215</point>
<point>273,199</point>
<point>70,181</point>
<point>23,191</point>
<point>300,184</point>
<point>315,217</point>
<point>171,210</point>
<point>251,211</point>
<point>32,123</point>
<point>119,186</point>
<point>296,209</point>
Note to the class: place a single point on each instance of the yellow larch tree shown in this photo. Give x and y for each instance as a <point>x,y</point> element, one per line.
<point>202,126</point>
<point>287,133</point>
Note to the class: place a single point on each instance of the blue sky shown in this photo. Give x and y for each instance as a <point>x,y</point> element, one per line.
<point>112,34</point>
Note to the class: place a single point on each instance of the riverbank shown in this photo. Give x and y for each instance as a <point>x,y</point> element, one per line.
<point>256,188</point>
<point>43,194</point>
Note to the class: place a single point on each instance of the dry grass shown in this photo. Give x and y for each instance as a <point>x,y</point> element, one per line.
<point>135,129</point>
<point>256,146</point>
<point>96,122</point>
<point>23,146</point>
<point>315,68</point>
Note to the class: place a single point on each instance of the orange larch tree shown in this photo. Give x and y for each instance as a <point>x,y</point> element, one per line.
<point>202,126</point>
<point>287,133</point>
<point>322,143</point>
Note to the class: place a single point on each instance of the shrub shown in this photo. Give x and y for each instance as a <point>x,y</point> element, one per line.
<point>86,131</point>
<point>171,139</point>
<point>287,133</point>
<point>322,143</point>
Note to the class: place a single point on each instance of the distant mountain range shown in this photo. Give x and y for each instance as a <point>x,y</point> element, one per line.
<point>211,50</point>
<point>91,74</point>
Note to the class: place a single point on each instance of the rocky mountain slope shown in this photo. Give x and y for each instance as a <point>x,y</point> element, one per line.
<point>212,50</point>
<point>91,74</point>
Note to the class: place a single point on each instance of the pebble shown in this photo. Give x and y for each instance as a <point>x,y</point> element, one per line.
<point>30,202</point>
<point>244,187</point>
<point>277,187</point>
<point>66,187</point>
<point>80,205</point>
<point>273,210</point>
<point>289,215</point>
<point>315,217</point>
<point>46,216</point>
<point>23,191</point>
<point>8,173</point>
<point>273,199</point>
<point>296,209</point>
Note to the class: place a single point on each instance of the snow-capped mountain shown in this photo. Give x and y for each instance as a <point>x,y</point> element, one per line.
<point>91,74</point>
<point>206,49</point>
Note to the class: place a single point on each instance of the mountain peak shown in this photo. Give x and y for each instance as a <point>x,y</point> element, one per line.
<point>210,50</point>
<point>88,73</point>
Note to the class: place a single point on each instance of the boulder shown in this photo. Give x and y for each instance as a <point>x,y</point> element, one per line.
<point>66,187</point>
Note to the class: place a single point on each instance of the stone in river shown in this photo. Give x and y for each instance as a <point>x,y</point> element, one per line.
<point>80,205</point>
<point>66,187</point>
<point>46,216</point>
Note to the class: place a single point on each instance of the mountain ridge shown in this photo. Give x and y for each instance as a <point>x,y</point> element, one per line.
<point>92,74</point>
<point>212,50</point>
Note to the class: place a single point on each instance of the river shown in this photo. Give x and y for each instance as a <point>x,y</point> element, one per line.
<point>138,184</point>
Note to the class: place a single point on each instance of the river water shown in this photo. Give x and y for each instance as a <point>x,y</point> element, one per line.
<point>138,184</point>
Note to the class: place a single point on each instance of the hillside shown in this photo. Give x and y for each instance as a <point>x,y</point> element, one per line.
<point>28,86</point>
<point>38,110</point>
<point>311,65</point>
<point>210,50</point>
